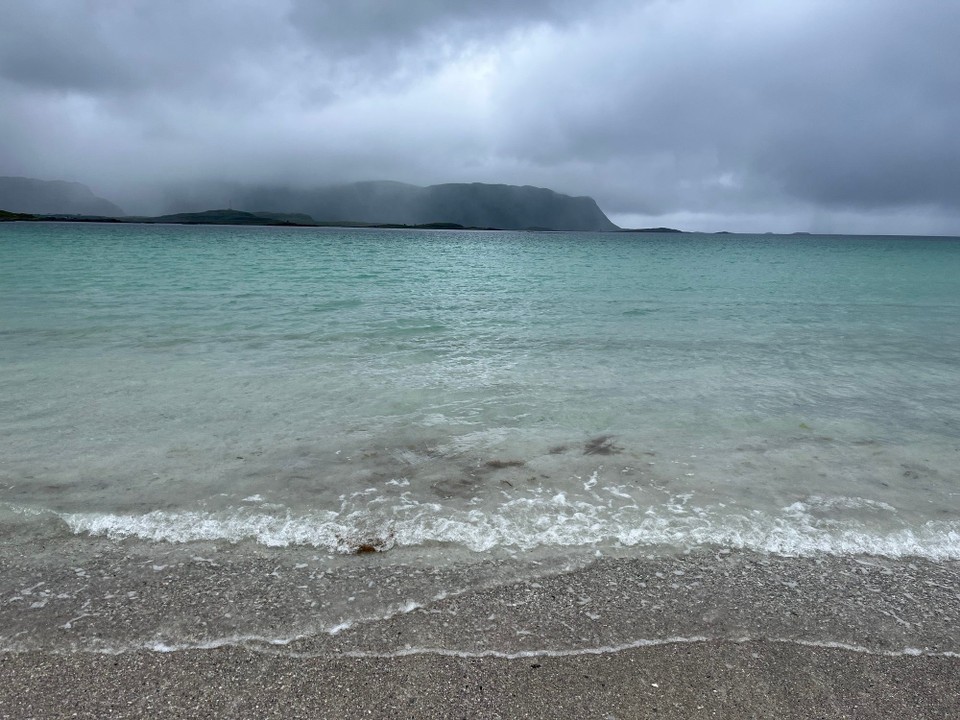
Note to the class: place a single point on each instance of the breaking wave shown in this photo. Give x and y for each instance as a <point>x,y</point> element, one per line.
<point>528,523</point>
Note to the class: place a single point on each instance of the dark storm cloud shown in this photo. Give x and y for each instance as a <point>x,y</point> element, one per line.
<point>105,47</point>
<point>879,102</point>
<point>850,106</point>
<point>365,27</point>
<point>40,46</point>
<point>801,115</point>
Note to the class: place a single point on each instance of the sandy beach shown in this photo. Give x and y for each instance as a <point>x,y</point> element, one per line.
<point>690,680</point>
<point>705,635</point>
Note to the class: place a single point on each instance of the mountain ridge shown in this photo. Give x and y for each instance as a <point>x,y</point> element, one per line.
<point>45,197</point>
<point>386,202</point>
<point>370,202</point>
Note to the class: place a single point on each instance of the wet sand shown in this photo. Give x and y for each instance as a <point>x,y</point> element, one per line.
<point>758,679</point>
<point>715,634</point>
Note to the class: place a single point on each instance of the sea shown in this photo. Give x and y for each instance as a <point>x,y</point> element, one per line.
<point>324,440</point>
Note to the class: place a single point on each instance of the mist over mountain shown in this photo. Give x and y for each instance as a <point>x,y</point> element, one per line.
<point>509,207</point>
<point>46,197</point>
<point>693,114</point>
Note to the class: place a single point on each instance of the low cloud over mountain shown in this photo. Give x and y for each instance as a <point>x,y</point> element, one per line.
<point>743,115</point>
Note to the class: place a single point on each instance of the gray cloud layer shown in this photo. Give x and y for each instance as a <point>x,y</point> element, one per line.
<point>813,115</point>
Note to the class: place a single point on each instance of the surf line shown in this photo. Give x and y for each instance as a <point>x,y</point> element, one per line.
<point>279,646</point>
<point>647,643</point>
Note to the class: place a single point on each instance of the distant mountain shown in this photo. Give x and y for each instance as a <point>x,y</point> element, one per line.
<point>509,207</point>
<point>472,205</point>
<point>50,197</point>
<point>659,230</point>
<point>240,217</point>
<point>228,217</point>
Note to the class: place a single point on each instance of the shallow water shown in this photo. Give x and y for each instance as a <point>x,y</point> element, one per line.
<point>475,399</point>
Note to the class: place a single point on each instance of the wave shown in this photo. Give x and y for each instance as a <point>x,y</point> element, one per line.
<point>523,524</point>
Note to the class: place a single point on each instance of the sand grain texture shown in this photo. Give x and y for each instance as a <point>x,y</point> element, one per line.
<point>700,680</point>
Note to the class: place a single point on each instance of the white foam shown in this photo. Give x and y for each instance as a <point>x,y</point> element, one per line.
<point>268,644</point>
<point>648,643</point>
<point>212,644</point>
<point>524,523</point>
<point>591,482</point>
<point>521,654</point>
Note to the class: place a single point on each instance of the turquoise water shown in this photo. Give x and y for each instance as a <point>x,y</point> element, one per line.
<point>466,394</point>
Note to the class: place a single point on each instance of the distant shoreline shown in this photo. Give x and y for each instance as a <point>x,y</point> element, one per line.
<point>211,217</point>
<point>240,218</point>
<point>230,217</point>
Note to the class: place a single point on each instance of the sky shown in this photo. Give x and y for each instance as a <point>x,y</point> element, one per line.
<point>739,115</point>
